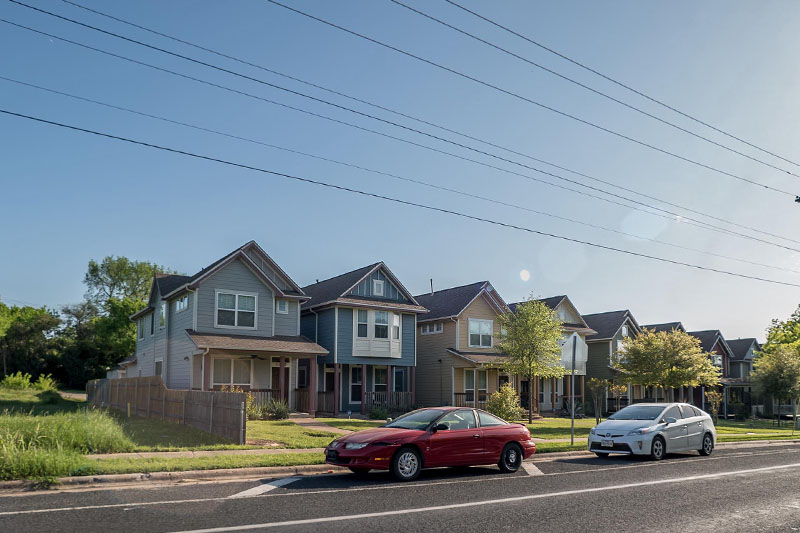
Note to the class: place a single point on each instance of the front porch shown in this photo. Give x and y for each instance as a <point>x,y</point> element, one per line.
<point>359,388</point>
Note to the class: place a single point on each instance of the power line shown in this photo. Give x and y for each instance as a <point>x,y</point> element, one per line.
<point>417,119</point>
<point>619,83</point>
<point>393,199</point>
<point>673,216</point>
<point>390,175</point>
<point>531,101</point>
<point>591,89</point>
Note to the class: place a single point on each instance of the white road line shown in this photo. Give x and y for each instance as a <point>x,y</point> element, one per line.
<point>499,501</point>
<point>265,487</point>
<point>532,469</point>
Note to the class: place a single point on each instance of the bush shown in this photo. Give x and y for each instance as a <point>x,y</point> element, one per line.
<point>49,397</point>
<point>505,403</point>
<point>378,413</point>
<point>18,381</point>
<point>46,383</point>
<point>277,409</point>
<point>740,411</point>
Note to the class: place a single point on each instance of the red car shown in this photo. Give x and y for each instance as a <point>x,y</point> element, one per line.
<point>439,436</point>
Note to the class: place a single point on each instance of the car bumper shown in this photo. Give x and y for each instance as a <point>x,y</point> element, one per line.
<point>528,448</point>
<point>371,457</point>
<point>626,444</point>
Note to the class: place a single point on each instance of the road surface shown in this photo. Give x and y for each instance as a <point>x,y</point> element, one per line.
<point>746,489</point>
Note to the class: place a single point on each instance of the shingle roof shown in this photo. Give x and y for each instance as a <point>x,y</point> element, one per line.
<point>480,357</point>
<point>449,302</point>
<point>605,324</point>
<point>332,288</point>
<point>741,347</point>
<point>169,282</point>
<point>666,326</point>
<point>708,338</point>
<point>278,343</point>
<point>551,302</point>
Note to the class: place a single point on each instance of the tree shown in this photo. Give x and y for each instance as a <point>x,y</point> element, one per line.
<point>530,339</point>
<point>617,391</point>
<point>783,332</point>
<point>598,388</point>
<point>29,344</point>
<point>666,359</point>
<point>777,374</point>
<point>714,398</point>
<point>118,278</point>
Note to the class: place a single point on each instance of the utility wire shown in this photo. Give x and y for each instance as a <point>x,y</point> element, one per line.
<point>389,174</point>
<point>531,101</point>
<point>591,89</point>
<point>393,199</point>
<point>416,119</point>
<point>619,83</point>
<point>672,215</point>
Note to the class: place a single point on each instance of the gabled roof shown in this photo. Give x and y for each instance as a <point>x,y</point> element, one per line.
<point>167,283</point>
<point>337,290</point>
<point>553,302</point>
<point>709,338</point>
<point>740,349</point>
<point>607,324</point>
<point>666,326</point>
<point>451,302</point>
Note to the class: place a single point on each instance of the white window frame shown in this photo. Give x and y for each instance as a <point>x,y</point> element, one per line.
<point>374,382</point>
<point>358,322</point>
<point>140,333</point>
<point>162,316</point>
<point>375,325</point>
<point>396,327</point>
<point>478,389</point>
<point>231,383</point>
<point>470,371</point>
<point>624,330</point>
<point>235,310</point>
<point>480,321</point>
<point>182,303</point>
<point>353,368</point>
<point>432,328</point>
<point>285,306</point>
<point>378,283</point>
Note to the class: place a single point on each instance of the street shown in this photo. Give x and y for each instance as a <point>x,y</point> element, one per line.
<point>742,489</point>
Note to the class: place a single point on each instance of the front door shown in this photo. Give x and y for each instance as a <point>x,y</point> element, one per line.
<point>461,443</point>
<point>524,394</point>
<point>276,381</point>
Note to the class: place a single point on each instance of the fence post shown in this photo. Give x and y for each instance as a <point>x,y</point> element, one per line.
<point>163,402</point>
<point>149,391</point>
<point>241,423</point>
<point>183,409</point>
<point>136,398</point>
<point>211,415</point>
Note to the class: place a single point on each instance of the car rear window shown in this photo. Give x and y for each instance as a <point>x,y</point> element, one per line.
<point>488,420</point>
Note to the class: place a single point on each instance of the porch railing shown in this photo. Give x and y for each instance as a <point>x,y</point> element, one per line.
<point>463,399</point>
<point>391,400</point>
<point>262,396</point>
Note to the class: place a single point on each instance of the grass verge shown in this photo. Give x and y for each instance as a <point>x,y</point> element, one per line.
<point>288,434</point>
<point>159,464</point>
<point>351,424</point>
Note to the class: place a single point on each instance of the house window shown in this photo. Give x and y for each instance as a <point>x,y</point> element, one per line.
<point>159,368</point>
<point>355,384</point>
<point>379,379</point>
<point>377,287</point>
<point>717,359</point>
<point>482,385</point>
<point>232,372</point>
<point>182,304</point>
<point>140,328</point>
<point>152,323</point>
<point>283,307</point>
<point>236,310</point>
<point>624,330</point>
<point>162,315</point>
<point>480,333</point>
<point>301,377</point>
<point>399,380</point>
<point>363,328</point>
<point>431,329</point>
<point>381,324</point>
<point>396,327</point>
<point>469,385</point>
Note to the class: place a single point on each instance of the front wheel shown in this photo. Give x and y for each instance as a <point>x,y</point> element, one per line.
<point>708,445</point>
<point>511,458</point>
<point>658,449</point>
<point>406,464</point>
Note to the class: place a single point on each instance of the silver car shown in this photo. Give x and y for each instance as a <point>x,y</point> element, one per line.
<point>654,429</point>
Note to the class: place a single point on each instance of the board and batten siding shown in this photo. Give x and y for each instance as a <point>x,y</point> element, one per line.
<point>266,269</point>
<point>390,291</point>
<point>480,309</point>
<point>235,276</point>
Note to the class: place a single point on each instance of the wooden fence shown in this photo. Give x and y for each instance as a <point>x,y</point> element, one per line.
<point>391,400</point>
<point>220,413</point>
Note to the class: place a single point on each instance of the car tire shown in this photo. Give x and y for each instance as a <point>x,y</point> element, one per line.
<point>511,458</point>
<point>708,445</point>
<point>360,472</point>
<point>658,449</point>
<point>601,455</point>
<point>406,464</point>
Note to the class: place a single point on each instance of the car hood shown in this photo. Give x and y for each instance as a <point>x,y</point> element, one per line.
<point>380,434</point>
<point>623,425</point>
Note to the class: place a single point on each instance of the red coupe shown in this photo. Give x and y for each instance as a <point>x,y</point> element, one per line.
<point>440,436</point>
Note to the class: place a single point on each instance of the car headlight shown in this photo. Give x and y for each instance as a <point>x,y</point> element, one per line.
<point>640,431</point>
<point>354,445</point>
<point>593,431</point>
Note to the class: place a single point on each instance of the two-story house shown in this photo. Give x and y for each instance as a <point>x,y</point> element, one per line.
<point>712,342</point>
<point>740,366</point>
<point>366,320</point>
<point>233,323</point>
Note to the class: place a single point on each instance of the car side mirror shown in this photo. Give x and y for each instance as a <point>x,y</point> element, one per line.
<point>388,420</point>
<point>670,420</point>
<point>438,427</point>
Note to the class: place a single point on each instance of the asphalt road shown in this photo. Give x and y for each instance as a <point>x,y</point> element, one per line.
<point>753,489</point>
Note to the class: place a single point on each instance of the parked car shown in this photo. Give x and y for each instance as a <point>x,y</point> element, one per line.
<point>654,429</point>
<point>433,437</point>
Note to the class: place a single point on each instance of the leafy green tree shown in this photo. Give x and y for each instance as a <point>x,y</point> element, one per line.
<point>29,344</point>
<point>776,374</point>
<point>530,339</point>
<point>597,387</point>
<point>119,278</point>
<point>714,399</point>
<point>618,391</point>
<point>783,332</point>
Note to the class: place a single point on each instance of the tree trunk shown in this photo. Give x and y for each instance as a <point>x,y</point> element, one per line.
<point>530,398</point>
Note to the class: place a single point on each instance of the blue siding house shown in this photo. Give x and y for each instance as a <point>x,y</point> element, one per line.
<point>367,321</point>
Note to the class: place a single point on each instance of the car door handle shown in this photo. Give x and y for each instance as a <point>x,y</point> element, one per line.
<point>476,436</point>
<point>684,427</point>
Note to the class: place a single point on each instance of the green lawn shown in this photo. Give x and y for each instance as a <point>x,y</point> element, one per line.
<point>36,401</point>
<point>176,464</point>
<point>351,424</point>
<point>288,434</point>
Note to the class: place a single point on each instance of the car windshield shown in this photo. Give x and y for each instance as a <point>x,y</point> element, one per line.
<point>416,419</point>
<point>637,412</point>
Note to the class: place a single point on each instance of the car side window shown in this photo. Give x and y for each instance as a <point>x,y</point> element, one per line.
<point>488,420</point>
<point>458,420</point>
<point>672,412</point>
<point>697,412</point>
<point>688,412</point>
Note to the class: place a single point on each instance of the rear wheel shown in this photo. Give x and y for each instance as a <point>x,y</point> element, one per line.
<point>601,455</point>
<point>708,445</point>
<point>360,472</point>
<point>658,449</point>
<point>406,464</point>
<point>511,458</point>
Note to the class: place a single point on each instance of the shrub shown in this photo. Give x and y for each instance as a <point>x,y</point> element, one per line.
<point>378,413</point>
<point>46,383</point>
<point>277,409</point>
<point>740,411</point>
<point>49,397</point>
<point>18,381</point>
<point>505,403</point>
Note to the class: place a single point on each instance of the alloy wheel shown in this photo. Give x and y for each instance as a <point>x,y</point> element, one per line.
<point>708,445</point>
<point>407,464</point>
<point>658,448</point>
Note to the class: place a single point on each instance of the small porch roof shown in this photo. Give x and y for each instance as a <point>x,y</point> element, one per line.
<point>251,343</point>
<point>479,358</point>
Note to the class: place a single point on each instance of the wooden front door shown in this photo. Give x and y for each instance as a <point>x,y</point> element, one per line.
<point>276,381</point>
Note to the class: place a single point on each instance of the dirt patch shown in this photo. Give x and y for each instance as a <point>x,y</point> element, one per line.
<point>264,443</point>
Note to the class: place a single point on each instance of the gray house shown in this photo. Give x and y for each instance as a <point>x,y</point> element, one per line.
<point>234,323</point>
<point>366,320</point>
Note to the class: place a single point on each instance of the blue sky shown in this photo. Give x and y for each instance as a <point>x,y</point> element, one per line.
<point>68,197</point>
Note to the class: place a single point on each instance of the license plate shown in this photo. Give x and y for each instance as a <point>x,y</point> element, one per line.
<point>607,443</point>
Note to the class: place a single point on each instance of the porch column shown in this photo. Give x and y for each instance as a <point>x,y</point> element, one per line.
<point>363,389</point>
<point>312,386</point>
<point>389,388</point>
<point>554,394</point>
<point>282,379</point>
<point>336,395</point>
<point>206,372</point>
<point>413,386</point>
